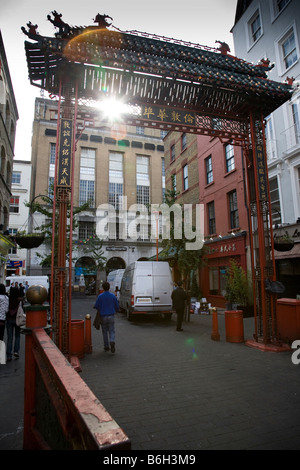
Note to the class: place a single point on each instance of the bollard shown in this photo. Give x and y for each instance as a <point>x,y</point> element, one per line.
<point>88,335</point>
<point>215,329</point>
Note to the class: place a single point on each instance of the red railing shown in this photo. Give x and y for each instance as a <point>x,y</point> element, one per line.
<point>60,411</point>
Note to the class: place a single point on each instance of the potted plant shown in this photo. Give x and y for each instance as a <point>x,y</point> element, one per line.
<point>237,291</point>
<point>29,240</point>
<point>283,243</point>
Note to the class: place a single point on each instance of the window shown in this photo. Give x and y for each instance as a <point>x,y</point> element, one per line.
<point>275,200</point>
<point>142,170</point>
<point>233,210</point>
<point>140,130</point>
<point>296,122</point>
<point>14,205</point>
<point>255,28</point>
<point>87,176</point>
<point>209,170</point>
<point>217,280</point>
<point>183,142</point>
<point>270,140</point>
<point>289,52</point>
<point>163,134</point>
<point>87,161</point>
<point>174,186</point>
<point>52,153</point>
<point>12,233</point>
<point>52,164</point>
<point>143,195</point>
<point>163,179</point>
<point>185,178</point>
<point>16,177</point>
<point>211,218</point>
<point>50,186</point>
<point>86,230</point>
<point>115,191</point>
<point>142,180</point>
<point>229,156</point>
<point>87,192</point>
<point>172,151</point>
<point>279,6</point>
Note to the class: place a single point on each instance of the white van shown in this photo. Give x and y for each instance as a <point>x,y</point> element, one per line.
<point>32,281</point>
<point>115,278</point>
<point>146,289</point>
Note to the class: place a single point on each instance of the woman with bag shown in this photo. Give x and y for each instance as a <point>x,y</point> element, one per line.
<point>12,329</point>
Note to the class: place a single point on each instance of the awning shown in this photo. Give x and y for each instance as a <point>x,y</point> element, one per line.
<point>165,255</point>
<point>5,244</point>
<point>293,253</point>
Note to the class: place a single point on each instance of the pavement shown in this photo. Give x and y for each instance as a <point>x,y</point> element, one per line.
<point>178,391</point>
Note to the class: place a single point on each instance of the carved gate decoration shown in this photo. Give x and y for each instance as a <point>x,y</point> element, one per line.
<point>171,85</point>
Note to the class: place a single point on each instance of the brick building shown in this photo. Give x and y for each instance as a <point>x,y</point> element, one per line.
<point>208,172</point>
<point>223,191</point>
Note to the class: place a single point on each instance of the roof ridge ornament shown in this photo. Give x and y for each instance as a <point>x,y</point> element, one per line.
<point>101,20</point>
<point>64,28</point>
<point>224,48</point>
<point>32,29</point>
<point>290,80</point>
<point>265,62</point>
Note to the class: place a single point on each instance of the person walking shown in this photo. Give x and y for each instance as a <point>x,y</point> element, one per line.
<point>179,298</point>
<point>4,302</point>
<point>12,329</point>
<point>107,305</point>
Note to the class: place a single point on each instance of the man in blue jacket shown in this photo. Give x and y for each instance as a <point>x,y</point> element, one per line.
<point>107,305</point>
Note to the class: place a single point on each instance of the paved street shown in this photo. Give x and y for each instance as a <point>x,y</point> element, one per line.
<point>174,390</point>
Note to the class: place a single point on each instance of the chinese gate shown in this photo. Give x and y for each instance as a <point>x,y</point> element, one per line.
<point>171,85</point>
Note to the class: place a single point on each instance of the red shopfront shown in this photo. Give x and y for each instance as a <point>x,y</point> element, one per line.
<point>217,259</point>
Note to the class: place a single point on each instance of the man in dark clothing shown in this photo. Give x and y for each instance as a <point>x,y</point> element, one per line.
<point>179,298</point>
<point>107,305</point>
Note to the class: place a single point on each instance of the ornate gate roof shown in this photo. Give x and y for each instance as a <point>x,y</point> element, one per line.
<point>151,69</point>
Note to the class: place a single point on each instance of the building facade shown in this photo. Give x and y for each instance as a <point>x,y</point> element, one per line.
<point>271,30</point>
<point>19,258</point>
<point>119,165</point>
<point>223,192</point>
<point>8,121</point>
<point>216,182</point>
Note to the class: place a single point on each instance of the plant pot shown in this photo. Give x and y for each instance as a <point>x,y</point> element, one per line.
<point>30,241</point>
<point>281,245</point>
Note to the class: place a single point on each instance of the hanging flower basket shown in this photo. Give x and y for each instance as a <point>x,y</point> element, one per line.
<point>283,243</point>
<point>30,240</point>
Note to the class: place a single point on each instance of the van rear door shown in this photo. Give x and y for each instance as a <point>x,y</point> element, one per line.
<point>162,286</point>
<point>143,288</point>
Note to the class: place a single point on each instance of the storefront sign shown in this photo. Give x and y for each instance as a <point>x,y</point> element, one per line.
<point>65,153</point>
<point>222,249</point>
<point>116,248</point>
<point>14,264</point>
<point>231,246</point>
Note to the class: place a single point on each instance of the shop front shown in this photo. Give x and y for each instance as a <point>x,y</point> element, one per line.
<point>218,253</point>
<point>288,262</point>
